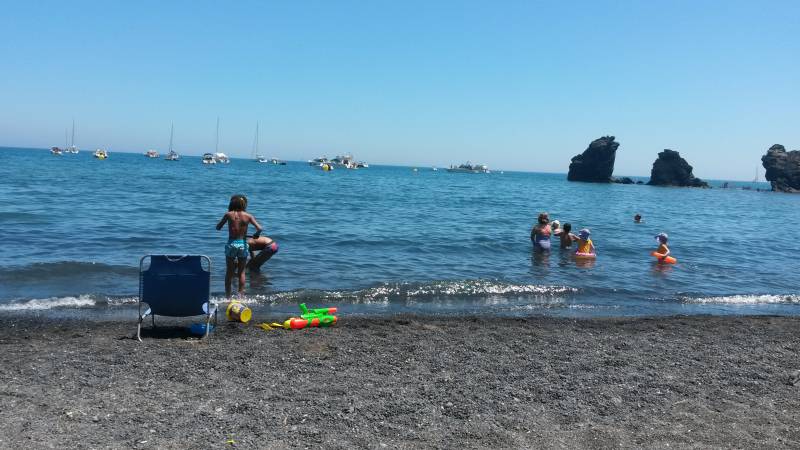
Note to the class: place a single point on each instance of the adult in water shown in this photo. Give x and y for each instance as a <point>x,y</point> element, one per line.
<point>264,245</point>
<point>540,234</point>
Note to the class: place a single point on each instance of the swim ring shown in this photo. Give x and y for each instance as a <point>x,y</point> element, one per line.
<point>585,255</point>
<point>662,259</point>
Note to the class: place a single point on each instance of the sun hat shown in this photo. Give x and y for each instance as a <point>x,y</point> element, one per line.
<point>584,233</point>
<point>555,224</point>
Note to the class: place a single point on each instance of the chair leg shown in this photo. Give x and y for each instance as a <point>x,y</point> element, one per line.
<point>139,330</point>
<point>153,316</point>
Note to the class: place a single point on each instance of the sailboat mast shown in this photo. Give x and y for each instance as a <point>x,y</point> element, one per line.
<point>171,129</point>
<point>73,133</point>
<point>255,143</point>
<point>216,146</point>
<point>66,140</point>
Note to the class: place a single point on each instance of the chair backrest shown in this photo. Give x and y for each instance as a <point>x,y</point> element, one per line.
<point>175,286</point>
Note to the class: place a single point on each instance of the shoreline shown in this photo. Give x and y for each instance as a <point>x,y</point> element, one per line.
<point>405,381</point>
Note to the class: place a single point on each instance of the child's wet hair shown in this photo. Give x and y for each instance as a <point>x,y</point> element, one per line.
<point>238,203</point>
<point>567,227</point>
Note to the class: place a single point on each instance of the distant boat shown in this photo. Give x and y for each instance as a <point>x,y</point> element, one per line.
<point>435,169</point>
<point>255,155</point>
<point>172,155</point>
<point>55,151</point>
<point>469,168</point>
<point>72,148</point>
<point>277,162</point>
<point>100,154</point>
<point>316,162</point>
<point>151,154</point>
<point>218,157</point>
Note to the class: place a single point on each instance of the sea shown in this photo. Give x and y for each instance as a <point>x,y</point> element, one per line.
<point>387,239</point>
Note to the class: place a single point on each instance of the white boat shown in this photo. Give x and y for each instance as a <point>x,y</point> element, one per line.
<point>316,162</point>
<point>435,169</point>
<point>469,168</point>
<point>362,165</point>
<point>255,155</point>
<point>100,154</point>
<point>151,154</point>
<point>72,148</point>
<point>217,157</point>
<point>345,161</point>
<point>277,162</point>
<point>55,151</point>
<point>172,155</point>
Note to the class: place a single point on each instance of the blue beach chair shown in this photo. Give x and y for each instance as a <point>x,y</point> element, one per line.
<point>175,286</point>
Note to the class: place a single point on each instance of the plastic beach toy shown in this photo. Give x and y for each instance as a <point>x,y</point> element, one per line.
<point>199,329</point>
<point>238,312</point>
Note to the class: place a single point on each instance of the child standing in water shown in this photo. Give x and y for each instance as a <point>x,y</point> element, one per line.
<point>585,245</point>
<point>566,237</point>
<point>236,249</point>
<point>663,250</point>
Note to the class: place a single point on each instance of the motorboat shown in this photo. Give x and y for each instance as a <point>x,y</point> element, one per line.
<point>221,158</point>
<point>345,161</point>
<point>217,157</point>
<point>208,158</point>
<point>277,162</point>
<point>469,168</point>
<point>362,165</point>
<point>151,154</point>
<point>100,154</point>
<point>316,162</point>
<point>55,151</point>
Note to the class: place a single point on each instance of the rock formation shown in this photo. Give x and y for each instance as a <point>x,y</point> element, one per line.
<point>670,169</point>
<point>596,163</point>
<point>783,168</point>
<point>624,180</point>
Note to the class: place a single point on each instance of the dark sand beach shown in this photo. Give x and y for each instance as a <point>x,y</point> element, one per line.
<point>405,382</point>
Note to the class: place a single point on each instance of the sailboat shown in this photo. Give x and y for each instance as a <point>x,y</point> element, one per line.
<point>217,157</point>
<point>172,155</point>
<point>258,158</point>
<point>72,148</point>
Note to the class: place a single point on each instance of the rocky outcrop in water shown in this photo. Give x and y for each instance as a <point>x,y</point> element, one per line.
<point>670,169</point>
<point>624,180</point>
<point>596,163</point>
<point>783,168</point>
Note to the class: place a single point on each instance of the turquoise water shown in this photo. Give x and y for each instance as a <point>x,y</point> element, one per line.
<point>388,239</point>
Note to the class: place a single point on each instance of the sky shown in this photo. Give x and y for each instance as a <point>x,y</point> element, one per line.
<point>517,85</point>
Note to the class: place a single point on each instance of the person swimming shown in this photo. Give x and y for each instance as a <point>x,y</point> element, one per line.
<point>540,234</point>
<point>637,218</point>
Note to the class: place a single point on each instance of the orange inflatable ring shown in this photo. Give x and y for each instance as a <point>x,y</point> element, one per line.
<point>664,259</point>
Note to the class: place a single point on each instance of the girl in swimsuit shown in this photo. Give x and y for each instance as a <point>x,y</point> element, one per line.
<point>236,249</point>
<point>540,234</point>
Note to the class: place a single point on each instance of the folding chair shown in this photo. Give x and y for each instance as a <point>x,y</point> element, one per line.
<point>175,286</point>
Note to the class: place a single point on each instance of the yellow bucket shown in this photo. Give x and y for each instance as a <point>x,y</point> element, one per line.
<point>238,312</point>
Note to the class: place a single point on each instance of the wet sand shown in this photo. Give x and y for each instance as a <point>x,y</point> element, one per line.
<point>405,382</point>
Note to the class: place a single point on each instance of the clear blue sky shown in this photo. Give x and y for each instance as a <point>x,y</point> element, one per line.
<point>518,85</point>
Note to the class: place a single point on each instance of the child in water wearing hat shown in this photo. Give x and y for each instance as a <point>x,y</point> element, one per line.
<point>585,245</point>
<point>661,238</point>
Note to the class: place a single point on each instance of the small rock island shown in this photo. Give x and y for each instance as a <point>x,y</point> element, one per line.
<point>783,168</point>
<point>596,163</point>
<point>669,169</point>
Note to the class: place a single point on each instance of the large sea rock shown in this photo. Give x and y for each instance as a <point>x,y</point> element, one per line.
<point>596,163</point>
<point>783,168</point>
<point>670,169</point>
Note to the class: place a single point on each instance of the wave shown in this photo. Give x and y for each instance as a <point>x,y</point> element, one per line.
<point>66,302</point>
<point>37,271</point>
<point>745,299</point>
<point>395,292</point>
